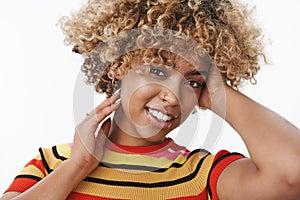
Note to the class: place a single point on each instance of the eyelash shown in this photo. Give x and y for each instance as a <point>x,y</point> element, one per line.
<point>161,73</point>
<point>191,82</point>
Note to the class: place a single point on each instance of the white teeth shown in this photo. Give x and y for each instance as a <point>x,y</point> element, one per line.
<point>165,118</point>
<point>159,115</point>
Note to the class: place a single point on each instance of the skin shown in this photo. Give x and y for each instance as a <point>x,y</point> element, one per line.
<point>175,92</point>
<point>269,173</point>
<point>82,160</point>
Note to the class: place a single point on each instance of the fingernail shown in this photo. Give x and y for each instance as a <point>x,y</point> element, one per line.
<point>117,91</point>
<point>117,101</point>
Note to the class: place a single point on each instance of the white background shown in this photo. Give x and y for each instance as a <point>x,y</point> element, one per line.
<point>38,75</point>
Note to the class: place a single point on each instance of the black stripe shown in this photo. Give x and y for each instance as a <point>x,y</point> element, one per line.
<point>149,185</point>
<point>174,165</point>
<point>139,167</point>
<point>132,167</point>
<point>214,165</point>
<point>55,153</point>
<point>29,176</point>
<point>197,151</point>
<point>148,168</point>
<point>44,161</point>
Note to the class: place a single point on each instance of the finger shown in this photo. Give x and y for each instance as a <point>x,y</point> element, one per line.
<point>109,101</point>
<point>102,114</point>
<point>91,123</point>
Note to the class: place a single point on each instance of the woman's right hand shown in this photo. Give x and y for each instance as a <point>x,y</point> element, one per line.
<point>87,152</point>
<point>87,149</point>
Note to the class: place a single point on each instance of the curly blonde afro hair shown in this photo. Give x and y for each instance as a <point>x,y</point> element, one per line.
<point>224,28</point>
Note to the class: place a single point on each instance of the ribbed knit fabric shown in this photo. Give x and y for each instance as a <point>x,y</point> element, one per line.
<point>164,171</point>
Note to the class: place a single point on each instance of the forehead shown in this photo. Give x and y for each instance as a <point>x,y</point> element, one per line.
<point>176,62</point>
<point>183,66</point>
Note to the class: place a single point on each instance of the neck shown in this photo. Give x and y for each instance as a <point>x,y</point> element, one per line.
<point>117,135</point>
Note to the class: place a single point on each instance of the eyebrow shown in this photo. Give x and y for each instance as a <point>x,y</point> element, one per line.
<point>196,72</point>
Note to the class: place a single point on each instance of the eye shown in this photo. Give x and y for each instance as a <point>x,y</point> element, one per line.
<point>158,72</point>
<point>193,83</point>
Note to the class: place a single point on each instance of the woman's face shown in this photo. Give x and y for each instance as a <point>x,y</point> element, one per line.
<point>156,99</point>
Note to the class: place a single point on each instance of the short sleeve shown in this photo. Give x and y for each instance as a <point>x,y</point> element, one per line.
<point>222,160</point>
<point>39,167</point>
<point>32,172</point>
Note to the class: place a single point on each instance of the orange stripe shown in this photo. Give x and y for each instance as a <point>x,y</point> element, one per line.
<point>218,169</point>
<point>79,196</point>
<point>202,196</point>
<point>39,164</point>
<point>21,185</point>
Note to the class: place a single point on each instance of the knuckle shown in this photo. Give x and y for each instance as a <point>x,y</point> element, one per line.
<point>105,111</point>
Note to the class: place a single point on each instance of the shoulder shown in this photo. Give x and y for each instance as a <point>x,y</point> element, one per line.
<point>60,151</point>
<point>221,160</point>
<point>53,156</point>
<point>39,167</point>
<point>208,167</point>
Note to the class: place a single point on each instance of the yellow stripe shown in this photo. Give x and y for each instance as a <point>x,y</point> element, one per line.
<point>110,191</point>
<point>150,177</point>
<point>113,157</point>
<point>143,160</point>
<point>64,150</point>
<point>192,187</point>
<point>31,170</point>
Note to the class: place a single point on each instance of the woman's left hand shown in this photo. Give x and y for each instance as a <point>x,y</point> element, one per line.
<point>214,95</point>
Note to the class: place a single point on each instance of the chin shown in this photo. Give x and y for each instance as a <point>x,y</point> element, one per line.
<point>155,139</point>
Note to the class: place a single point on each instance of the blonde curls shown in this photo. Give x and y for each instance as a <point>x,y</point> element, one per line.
<point>224,28</point>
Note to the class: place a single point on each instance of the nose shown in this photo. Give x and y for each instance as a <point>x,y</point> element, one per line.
<point>170,96</point>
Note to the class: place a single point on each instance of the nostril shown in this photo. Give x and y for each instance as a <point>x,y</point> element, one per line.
<point>169,96</point>
<point>171,99</point>
<point>164,98</point>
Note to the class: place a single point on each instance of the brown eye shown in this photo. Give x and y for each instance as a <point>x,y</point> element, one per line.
<point>193,83</point>
<point>158,72</point>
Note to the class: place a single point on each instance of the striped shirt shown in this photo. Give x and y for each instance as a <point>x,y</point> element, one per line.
<point>164,171</point>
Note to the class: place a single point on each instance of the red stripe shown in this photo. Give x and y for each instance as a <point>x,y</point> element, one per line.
<point>202,196</point>
<point>37,163</point>
<point>218,169</point>
<point>21,185</point>
<point>79,196</point>
<point>137,149</point>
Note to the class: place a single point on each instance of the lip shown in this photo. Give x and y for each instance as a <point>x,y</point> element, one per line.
<point>158,123</point>
<point>173,116</point>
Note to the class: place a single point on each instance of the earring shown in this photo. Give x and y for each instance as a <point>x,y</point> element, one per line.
<point>195,110</point>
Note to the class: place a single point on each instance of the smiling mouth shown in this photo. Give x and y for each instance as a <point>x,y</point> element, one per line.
<point>160,116</point>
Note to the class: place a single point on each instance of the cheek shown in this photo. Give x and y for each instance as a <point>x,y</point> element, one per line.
<point>190,96</point>
<point>186,109</point>
<point>187,106</point>
<point>137,93</point>
<point>134,100</point>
